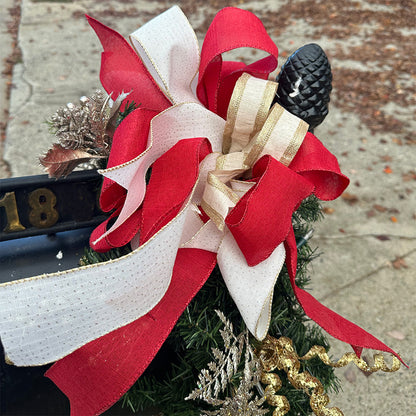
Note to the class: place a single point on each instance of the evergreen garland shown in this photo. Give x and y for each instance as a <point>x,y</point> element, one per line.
<point>173,373</point>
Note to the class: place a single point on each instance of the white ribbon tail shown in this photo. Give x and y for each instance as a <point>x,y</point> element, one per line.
<point>44,318</point>
<point>250,287</point>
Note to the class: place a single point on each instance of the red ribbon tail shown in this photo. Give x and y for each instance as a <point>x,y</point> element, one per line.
<point>96,375</point>
<point>122,70</point>
<point>331,322</point>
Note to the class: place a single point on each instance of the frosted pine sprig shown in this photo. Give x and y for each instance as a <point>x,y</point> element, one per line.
<point>220,373</point>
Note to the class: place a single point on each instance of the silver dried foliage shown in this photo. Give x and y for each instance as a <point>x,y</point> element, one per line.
<point>84,132</point>
<point>222,373</point>
<point>84,126</point>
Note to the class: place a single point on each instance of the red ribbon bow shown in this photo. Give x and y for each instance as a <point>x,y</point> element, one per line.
<point>99,373</point>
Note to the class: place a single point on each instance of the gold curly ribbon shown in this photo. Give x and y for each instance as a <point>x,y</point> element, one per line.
<point>350,357</point>
<point>279,353</point>
<point>273,384</point>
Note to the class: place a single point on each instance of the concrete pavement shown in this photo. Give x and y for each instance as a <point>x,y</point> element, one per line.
<point>368,237</point>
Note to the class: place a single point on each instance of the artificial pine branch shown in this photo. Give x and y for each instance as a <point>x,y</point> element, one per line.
<point>128,108</point>
<point>91,257</point>
<point>220,372</point>
<point>223,371</point>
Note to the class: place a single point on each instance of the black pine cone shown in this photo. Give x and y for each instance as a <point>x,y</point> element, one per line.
<point>305,84</point>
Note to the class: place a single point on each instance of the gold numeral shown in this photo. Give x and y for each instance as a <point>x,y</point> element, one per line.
<point>8,202</point>
<point>43,213</point>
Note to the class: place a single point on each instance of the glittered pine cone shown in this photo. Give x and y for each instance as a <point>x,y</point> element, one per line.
<point>305,84</point>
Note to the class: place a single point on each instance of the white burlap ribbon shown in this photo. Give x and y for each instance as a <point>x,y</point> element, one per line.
<point>44,318</point>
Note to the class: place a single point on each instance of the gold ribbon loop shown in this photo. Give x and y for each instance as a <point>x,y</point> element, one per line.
<point>251,131</point>
<point>281,136</point>
<point>217,200</point>
<point>248,109</point>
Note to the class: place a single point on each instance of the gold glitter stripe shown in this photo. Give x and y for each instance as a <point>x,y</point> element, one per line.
<point>245,119</point>
<point>212,202</point>
<point>263,112</point>
<point>217,218</point>
<point>264,135</point>
<point>295,143</point>
<point>212,180</point>
<point>231,162</point>
<point>232,111</point>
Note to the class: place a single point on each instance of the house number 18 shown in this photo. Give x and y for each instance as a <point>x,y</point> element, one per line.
<point>42,214</point>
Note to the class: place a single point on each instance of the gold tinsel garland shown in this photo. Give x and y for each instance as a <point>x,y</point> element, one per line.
<point>280,354</point>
